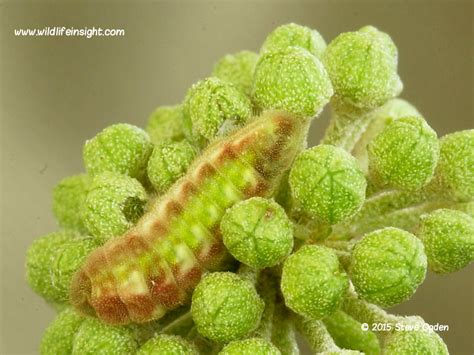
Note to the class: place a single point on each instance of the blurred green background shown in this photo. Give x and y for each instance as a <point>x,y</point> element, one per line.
<point>58,91</point>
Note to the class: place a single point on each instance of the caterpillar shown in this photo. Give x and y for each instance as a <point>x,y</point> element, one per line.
<point>155,266</point>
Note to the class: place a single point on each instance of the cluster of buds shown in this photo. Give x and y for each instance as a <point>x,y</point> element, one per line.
<point>217,230</point>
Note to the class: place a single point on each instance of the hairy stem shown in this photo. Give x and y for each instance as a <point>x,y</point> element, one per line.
<point>316,334</point>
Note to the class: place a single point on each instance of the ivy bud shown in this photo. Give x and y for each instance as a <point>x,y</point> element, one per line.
<point>415,338</point>
<point>58,337</point>
<point>328,183</point>
<point>162,344</point>
<point>68,198</point>
<point>387,266</point>
<point>293,35</point>
<point>210,102</point>
<point>237,69</point>
<point>404,154</point>
<point>257,232</point>
<point>455,167</point>
<point>362,66</point>
<point>120,148</point>
<point>165,124</point>
<point>95,337</point>
<point>448,237</point>
<point>313,282</point>
<point>168,162</point>
<point>292,80</point>
<point>251,346</point>
<point>226,307</point>
<point>51,262</point>
<point>113,205</point>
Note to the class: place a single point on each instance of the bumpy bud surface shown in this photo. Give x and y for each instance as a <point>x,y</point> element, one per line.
<point>313,282</point>
<point>293,35</point>
<point>58,337</point>
<point>68,198</point>
<point>456,164</point>
<point>237,69</point>
<point>226,307</point>
<point>362,66</point>
<point>415,338</point>
<point>166,345</point>
<point>120,148</point>
<point>251,346</point>
<point>448,237</point>
<point>293,80</point>
<point>165,124</point>
<point>113,205</point>
<point>210,102</point>
<point>387,266</point>
<point>257,232</point>
<point>95,338</point>
<point>51,262</point>
<point>168,162</point>
<point>327,182</point>
<point>404,154</point>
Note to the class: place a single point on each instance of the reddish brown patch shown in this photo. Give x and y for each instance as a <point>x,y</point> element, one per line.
<point>116,251</point>
<point>165,293</point>
<point>204,171</point>
<point>188,280</point>
<point>226,153</point>
<point>186,190</point>
<point>140,307</point>
<point>110,309</point>
<point>96,262</point>
<point>172,208</point>
<point>259,189</point>
<point>80,293</point>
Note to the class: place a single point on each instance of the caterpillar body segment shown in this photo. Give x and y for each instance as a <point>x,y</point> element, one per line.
<point>155,266</point>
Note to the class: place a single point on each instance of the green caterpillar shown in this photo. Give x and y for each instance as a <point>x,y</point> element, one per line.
<point>155,266</point>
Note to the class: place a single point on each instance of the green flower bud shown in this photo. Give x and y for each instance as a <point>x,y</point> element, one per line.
<point>362,66</point>
<point>51,262</point>
<point>58,337</point>
<point>165,124</point>
<point>209,103</point>
<point>313,282</point>
<point>448,237</point>
<point>415,338</point>
<point>237,69</point>
<point>456,164</point>
<point>226,307</point>
<point>327,182</point>
<point>113,205</point>
<point>168,162</point>
<point>292,80</point>
<point>257,232</point>
<point>293,35</point>
<point>120,148</point>
<point>95,338</point>
<point>404,154</point>
<point>68,198</point>
<point>162,344</point>
<point>251,346</point>
<point>387,266</point>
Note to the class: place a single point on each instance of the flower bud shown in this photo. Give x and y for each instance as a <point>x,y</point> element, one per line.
<point>95,337</point>
<point>113,205</point>
<point>456,165</point>
<point>237,69</point>
<point>387,266</point>
<point>165,124</point>
<point>226,307</point>
<point>210,102</point>
<point>58,337</point>
<point>293,35</point>
<point>162,344</point>
<point>313,282</point>
<point>257,232</point>
<point>120,148</point>
<point>51,262</point>
<point>292,80</point>
<point>168,162</point>
<point>362,66</point>
<point>404,154</point>
<point>328,183</point>
<point>448,237</point>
